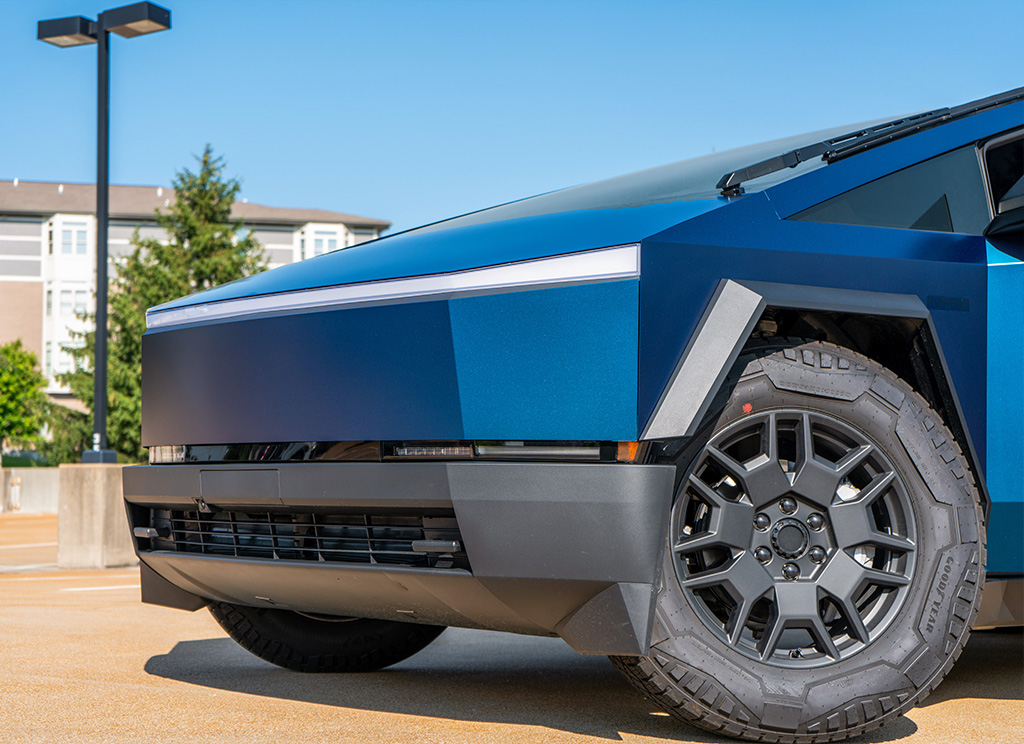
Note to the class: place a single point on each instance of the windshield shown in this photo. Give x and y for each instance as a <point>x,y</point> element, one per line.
<point>686,180</point>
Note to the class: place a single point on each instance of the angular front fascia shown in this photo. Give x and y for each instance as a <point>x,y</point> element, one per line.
<point>554,363</point>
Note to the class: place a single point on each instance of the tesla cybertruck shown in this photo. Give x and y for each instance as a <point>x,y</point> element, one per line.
<point>751,424</point>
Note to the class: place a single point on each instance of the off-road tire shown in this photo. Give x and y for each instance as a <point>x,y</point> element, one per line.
<point>304,643</point>
<point>698,676</point>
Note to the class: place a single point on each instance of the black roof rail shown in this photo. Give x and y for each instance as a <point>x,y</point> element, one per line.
<point>844,146</point>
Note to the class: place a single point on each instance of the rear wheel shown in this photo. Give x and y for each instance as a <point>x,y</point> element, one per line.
<point>318,643</point>
<point>824,560</point>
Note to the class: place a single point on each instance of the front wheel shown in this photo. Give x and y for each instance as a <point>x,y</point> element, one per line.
<point>824,557</point>
<point>316,643</point>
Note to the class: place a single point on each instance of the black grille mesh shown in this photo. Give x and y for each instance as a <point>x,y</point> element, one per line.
<point>378,539</point>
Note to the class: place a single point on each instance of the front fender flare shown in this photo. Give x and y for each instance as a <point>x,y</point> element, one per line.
<point>726,325</point>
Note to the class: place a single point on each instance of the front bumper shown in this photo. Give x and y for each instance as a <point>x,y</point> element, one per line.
<point>573,550</point>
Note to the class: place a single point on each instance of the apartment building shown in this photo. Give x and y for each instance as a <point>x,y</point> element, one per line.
<point>48,260</point>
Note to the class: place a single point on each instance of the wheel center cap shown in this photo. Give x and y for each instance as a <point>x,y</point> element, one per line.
<point>789,538</point>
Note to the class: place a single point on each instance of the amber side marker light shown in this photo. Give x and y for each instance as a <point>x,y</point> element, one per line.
<point>627,451</point>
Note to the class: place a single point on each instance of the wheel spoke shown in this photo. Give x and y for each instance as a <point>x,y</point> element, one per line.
<point>796,606</point>
<point>742,576</point>
<point>845,579</point>
<point>853,527</point>
<point>890,542</point>
<point>712,577</point>
<point>701,541</point>
<point>816,480</point>
<point>886,579</point>
<point>770,438</point>
<point>804,442</point>
<point>853,619</point>
<point>707,494</point>
<point>852,459</point>
<point>731,466</point>
<point>738,620</point>
<point>821,634</point>
<point>770,638</point>
<point>870,493</point>
<point>731,522</point>
<point>763,481</point>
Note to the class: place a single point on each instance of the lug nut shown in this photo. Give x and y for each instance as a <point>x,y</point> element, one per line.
<point>817,554</point>
<point>762,522</point>
<point>788,505</point>
<point>815,521</point>
<point>791,571</point>
<point>763,554</point>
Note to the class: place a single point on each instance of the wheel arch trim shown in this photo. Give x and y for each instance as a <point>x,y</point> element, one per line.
<point>726,324</point>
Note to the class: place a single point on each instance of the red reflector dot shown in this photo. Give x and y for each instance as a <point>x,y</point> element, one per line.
<point>747,408</point>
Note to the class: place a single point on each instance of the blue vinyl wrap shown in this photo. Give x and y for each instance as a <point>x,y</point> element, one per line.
<point>1005,472</point>
<point>556,363</point>
<point>550,364</point>
<point>363,373</point>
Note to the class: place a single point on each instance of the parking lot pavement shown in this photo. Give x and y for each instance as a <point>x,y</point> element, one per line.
<point>82,660</point>
<point>27,542</point>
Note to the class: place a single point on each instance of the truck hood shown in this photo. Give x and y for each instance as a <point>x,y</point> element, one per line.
<point>443,250</point>
<point>617,211</point>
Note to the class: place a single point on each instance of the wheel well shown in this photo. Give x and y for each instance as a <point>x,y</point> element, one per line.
<point>906,346</point>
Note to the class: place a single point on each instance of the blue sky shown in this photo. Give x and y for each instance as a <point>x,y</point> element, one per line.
<point>415,111</point>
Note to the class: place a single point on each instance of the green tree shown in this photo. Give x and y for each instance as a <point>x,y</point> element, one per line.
<point>23,403</point>
<point>203,250</point>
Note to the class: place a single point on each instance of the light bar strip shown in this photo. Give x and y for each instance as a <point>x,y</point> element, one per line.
<point>606,264</point>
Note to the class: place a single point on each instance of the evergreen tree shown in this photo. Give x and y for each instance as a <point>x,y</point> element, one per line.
<point>202,250</point>
<point>22,401</point>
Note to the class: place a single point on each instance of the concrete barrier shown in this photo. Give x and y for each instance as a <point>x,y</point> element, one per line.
<point>29,490</point>
<point>92,528</point>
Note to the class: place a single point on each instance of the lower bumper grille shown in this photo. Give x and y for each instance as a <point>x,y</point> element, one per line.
<point>376,539</point>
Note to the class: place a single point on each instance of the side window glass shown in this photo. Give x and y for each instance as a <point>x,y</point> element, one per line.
<point>943,194</point>
<point>1004,164</point>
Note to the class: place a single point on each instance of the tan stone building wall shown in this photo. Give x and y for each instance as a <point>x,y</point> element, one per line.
<point>21,315</point>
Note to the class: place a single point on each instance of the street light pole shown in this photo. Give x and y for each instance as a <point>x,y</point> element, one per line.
<point>127,21</point>
<point>99,378</point>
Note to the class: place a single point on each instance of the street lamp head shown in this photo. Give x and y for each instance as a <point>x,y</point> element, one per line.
<point>136,19</point>
<point>67,32</point>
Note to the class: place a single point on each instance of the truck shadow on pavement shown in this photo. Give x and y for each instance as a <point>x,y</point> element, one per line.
<point>991,666</point>
<point>480,676</point>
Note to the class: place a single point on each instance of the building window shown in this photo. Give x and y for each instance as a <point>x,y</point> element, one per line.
<point>324,242</point>
<point>361,236</point>
<point>79,301</point>
<point>63,360</point>
<point>50,231</point>
<point>66,302</point>
<point>73,238</point>
<point>49,358</point>
<point>49,302</point>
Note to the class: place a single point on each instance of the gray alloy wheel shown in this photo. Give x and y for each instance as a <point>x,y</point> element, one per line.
<point>824,557</point>
<point>311,643</point>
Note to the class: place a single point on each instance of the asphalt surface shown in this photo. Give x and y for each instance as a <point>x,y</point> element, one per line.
<point>82,660</point>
